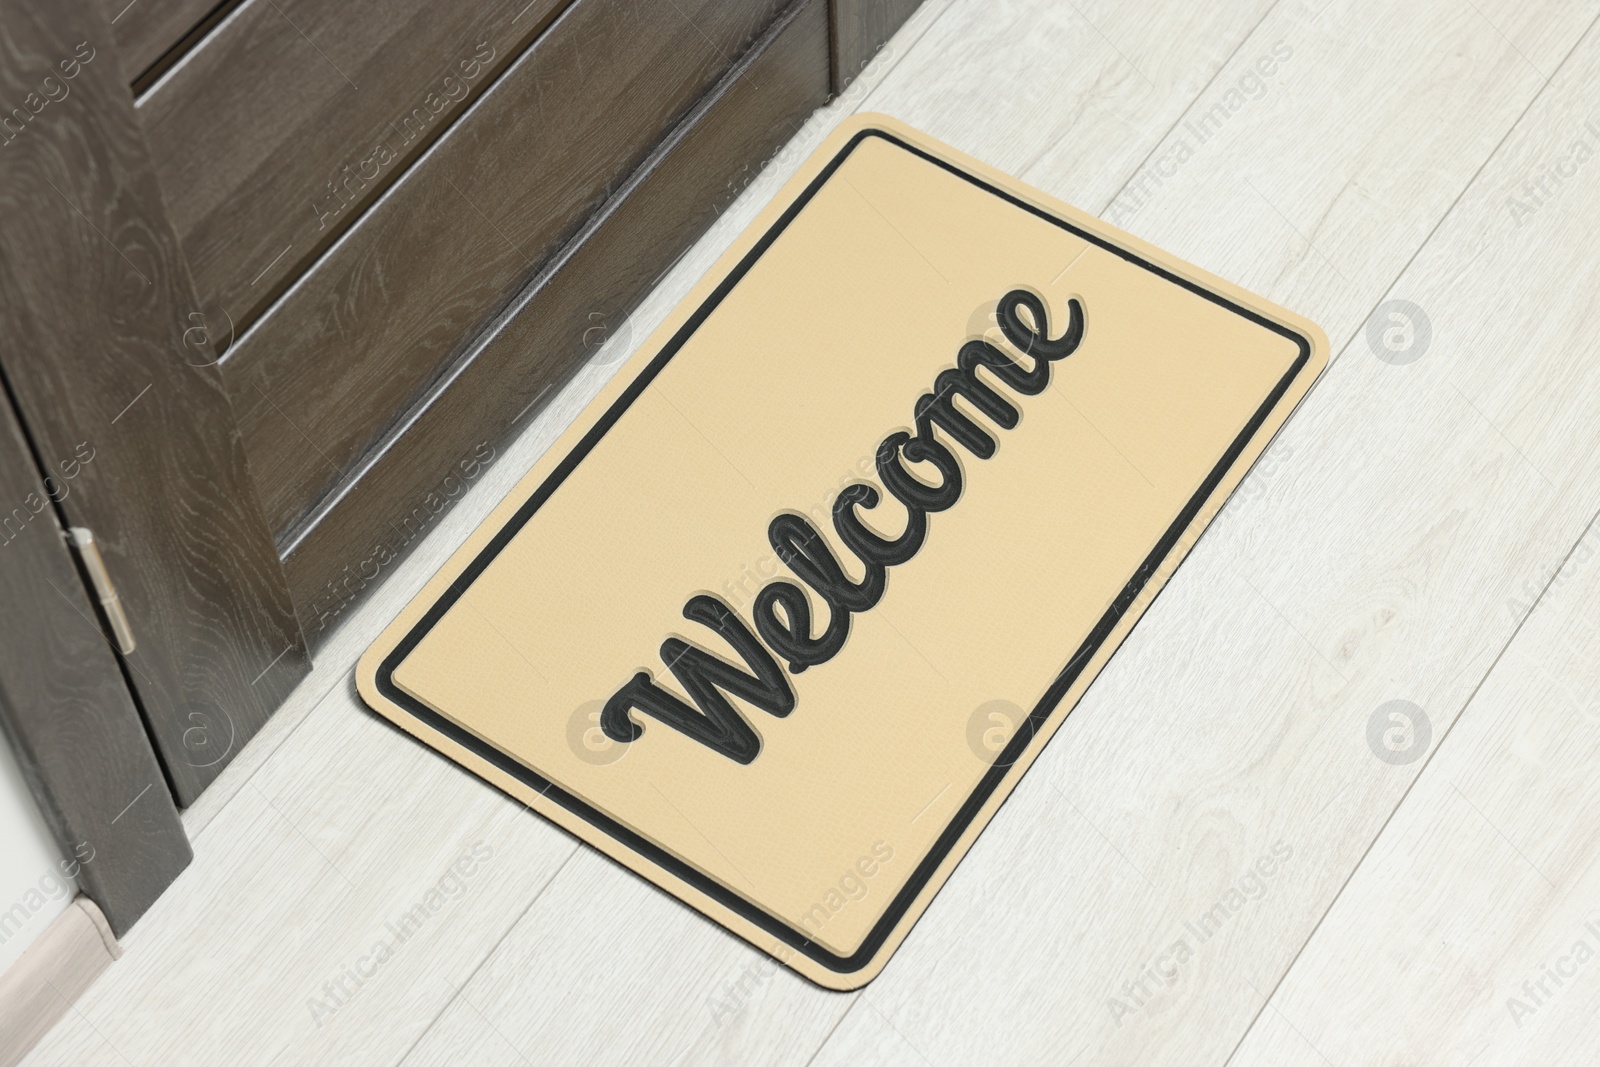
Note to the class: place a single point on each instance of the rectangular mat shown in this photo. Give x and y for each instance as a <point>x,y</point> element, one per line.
<point>780,621</point>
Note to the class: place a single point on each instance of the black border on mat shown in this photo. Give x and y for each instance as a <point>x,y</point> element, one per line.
<point>1020,740</point>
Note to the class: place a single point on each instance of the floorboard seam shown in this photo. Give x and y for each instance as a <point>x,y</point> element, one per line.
<point>855,999</point>
<point>1471,182</point>
<point>1156,145</point>
<point>487,956</point>
<point>1427,762</point>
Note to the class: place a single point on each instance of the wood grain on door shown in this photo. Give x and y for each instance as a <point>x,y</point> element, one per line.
<point>859,28</point>
<point>104,348</point>
<point>362,335</point>
<point>64,707</point>
<point>152,33</point>
<point>284,124</point>
<point>555,321</point>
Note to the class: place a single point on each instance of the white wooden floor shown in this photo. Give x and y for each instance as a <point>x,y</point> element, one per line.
<point>1423,531</point>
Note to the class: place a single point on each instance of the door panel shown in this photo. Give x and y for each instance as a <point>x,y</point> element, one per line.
<point>148,30</point>
<point>363,334</point>
<point>860,28</point>
<point>103,360</point>
<point>75,732</point>
<point>278,129</point>
<point>409,347</point>
<point>352,539</point>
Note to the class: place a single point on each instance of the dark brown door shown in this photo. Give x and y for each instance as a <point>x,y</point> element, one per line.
<point>439,165</point>
<point>99,355</point>
<point>290,271</point>
<point>66,710</point>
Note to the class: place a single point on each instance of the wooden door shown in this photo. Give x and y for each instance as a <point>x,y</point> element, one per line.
<point>66,710</point>
<point>444,170</point>
<point>291,271</point>
<point>99,351</point>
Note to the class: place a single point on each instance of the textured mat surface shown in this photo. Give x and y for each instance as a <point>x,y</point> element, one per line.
<point>782,619</point>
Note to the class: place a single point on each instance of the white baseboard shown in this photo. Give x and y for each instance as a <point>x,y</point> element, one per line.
<point>42,985</point>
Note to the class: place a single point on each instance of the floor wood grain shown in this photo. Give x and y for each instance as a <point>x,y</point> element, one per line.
<point>1417,534</point>
<point>1486,877</point>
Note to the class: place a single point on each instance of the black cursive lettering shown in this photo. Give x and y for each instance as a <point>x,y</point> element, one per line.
<point>782,610</point>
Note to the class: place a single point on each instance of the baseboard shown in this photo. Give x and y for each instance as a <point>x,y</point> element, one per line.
<point>44,983</point>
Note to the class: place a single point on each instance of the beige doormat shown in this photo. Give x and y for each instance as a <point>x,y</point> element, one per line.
<point>781,620</point>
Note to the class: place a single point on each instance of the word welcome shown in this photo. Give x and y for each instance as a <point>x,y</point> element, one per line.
<point>345,187</point>
<point>742,589</point>
<point>51,90</point>
<point>782,610</point>
<point>337,991</point>
<point>1165,970</point>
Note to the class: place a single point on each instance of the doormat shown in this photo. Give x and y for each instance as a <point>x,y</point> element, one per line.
<point>780,621</point>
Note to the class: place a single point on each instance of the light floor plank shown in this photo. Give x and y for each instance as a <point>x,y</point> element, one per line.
<point>1469,933</point>
<point>333,906</point>
<point>1487,876</point>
